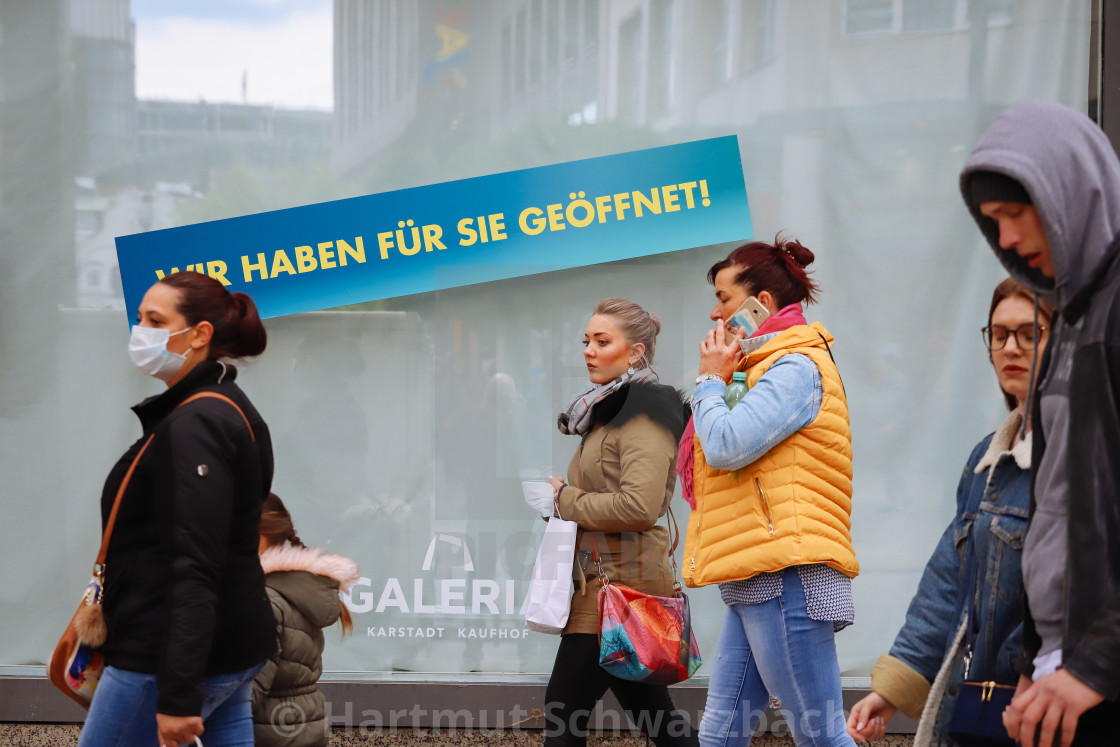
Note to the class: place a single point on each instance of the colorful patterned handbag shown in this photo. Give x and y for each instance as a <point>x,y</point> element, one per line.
<point>642,637</point>
<point>76,663</point>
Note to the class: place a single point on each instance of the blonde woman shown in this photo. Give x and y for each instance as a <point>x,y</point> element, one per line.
<point>620,482</point>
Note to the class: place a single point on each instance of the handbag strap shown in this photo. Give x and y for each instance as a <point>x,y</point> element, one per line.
<point>972,626</point>
<point>674,534</point>
<point>99,564</point>
<point>674,537</point>
<point>829,350</point>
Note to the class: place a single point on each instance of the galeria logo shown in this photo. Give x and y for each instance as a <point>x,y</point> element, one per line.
<point>450,539</point>
<point>438,596</point>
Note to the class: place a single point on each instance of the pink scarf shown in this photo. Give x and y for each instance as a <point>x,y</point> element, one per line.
<point>790,316</point>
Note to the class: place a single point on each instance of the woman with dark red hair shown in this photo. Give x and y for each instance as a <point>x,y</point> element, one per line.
<point>772,483</point>
<point>188,623</point>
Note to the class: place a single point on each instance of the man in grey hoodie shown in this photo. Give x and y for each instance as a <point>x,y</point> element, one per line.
<point>1043,184</point>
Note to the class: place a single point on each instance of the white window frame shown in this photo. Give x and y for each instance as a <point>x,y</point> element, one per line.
<point>960,21</point>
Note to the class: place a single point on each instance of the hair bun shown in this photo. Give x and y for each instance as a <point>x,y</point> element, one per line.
<point>802,255</point>
<point>240,302</point>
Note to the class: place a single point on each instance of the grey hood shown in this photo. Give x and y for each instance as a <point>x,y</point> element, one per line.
<point>1071,172</point>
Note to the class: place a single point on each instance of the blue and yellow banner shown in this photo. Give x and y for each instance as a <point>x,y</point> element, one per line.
<point>458,233</point>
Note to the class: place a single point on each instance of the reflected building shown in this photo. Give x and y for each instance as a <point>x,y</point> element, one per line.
<point>104,212</point>
<point>178,147</point>
<point>548,63</point>
<point>103,44</point>
<point>36,210</point>
<point>437,75</point>
<point>424,77</point>
<point>376,76</point>
<point>186,141</point>
<point>103,39</point>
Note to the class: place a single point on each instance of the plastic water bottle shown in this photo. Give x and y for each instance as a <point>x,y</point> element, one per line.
<point>736,390</point>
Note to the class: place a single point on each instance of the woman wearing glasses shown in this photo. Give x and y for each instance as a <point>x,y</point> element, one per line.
<point>975,566</point>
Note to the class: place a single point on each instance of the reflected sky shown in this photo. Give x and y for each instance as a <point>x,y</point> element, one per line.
<point>206,49</point>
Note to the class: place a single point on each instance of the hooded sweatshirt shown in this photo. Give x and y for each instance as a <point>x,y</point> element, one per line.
<point>1072,175</point>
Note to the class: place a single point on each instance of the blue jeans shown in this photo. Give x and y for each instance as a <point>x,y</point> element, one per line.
<point>123,712</point>
<point>774,648</point>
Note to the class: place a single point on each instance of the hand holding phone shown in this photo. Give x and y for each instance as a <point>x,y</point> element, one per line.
<point>750,315</point>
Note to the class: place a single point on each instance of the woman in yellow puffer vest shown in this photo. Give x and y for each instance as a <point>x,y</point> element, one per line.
<point>772,484</point>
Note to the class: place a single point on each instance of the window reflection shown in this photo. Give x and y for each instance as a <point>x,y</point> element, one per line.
<point>414,418</point>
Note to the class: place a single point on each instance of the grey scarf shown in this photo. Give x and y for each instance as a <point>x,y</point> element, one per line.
<point>575,419</point>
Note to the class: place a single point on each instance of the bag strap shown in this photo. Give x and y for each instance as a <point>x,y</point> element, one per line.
<point>829,350</point>
<point>598,560</point>
<point>674,538</point>
<point>973,623</point>
<point>674,533</point>
<point>99,564</point>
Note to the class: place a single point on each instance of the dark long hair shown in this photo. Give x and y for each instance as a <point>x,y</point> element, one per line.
<point>277,528</point>
<point>778,268</point>
<point>238,332</point>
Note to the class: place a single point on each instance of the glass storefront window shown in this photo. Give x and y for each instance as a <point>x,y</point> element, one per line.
<point>403,427</point>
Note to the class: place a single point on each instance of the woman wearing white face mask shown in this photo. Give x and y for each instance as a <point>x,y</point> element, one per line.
<point>188,622</point>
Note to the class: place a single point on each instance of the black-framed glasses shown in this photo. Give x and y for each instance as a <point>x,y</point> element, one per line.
<point>996,336</point>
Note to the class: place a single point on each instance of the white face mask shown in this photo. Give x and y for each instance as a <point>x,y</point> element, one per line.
<point>147,347</point>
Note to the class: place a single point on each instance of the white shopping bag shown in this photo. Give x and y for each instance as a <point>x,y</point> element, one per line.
<point>550,590</point>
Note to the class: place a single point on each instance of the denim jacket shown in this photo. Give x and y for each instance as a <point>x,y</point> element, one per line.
<point>786,399</point>
<point>993,502</point>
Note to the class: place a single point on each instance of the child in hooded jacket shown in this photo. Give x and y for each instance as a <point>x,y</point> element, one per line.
<point>303,584</point>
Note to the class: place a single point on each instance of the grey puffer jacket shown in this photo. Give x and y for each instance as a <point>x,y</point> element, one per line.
<point>303,585</point>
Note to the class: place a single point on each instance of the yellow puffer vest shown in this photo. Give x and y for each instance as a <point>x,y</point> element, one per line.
<point>792,506</point>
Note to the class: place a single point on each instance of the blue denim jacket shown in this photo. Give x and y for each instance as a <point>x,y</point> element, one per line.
<point>993,502</point>
<point>786,399</point>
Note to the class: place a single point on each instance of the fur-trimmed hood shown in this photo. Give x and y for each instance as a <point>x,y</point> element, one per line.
<point>662,403</point>
<point>313,560</point>
<point>309,579</point>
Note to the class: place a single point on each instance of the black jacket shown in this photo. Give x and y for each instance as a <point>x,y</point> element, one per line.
<point>1090,324</point>
<point>184,590</point>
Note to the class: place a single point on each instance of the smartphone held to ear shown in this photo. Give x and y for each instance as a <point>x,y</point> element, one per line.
<point>750,315</point>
